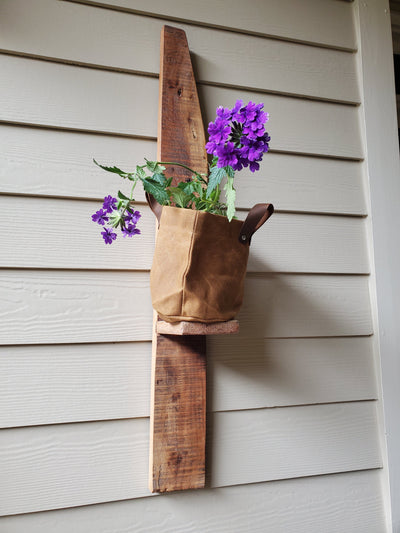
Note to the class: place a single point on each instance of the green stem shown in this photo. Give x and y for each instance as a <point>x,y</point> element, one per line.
<point>133,188</point>
<point>130,200</point>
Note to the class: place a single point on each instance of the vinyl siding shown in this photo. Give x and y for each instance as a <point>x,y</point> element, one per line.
<point>294,407</point>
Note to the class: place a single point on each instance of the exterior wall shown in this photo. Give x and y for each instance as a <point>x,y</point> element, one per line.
<point>295,407</point>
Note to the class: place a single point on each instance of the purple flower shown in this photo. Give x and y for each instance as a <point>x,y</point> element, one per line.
<point>236,110</point>
<point>108,235</point>
<point>110,203</point>
<point>254,166</point>
<point>238,137</point>
<point>224,113</point>
<point>130,230</point>
<point>133,218</point>
<point>227,155</point>
<point>100,217</point>
<point>219,131</point>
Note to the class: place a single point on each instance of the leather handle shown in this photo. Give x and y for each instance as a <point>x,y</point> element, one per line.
<point>154,206</point>
<point>257,216</point>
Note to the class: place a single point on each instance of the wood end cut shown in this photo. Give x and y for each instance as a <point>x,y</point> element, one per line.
<point>197,328</point>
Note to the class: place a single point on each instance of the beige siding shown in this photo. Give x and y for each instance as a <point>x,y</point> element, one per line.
<point>323,23</point>
<point>62,96</point>
<point>106,461</point>
<point>289,246</point>
<point>293,399</point>
<point>293,68</point>
<point>48,162</point>
<point>313,504</point>
<point>275,372</point>
<point>45,306</point>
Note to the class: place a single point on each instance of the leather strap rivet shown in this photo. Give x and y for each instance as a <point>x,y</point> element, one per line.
<point>243,237</point>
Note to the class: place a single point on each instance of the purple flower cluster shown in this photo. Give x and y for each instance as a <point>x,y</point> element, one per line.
<point>127,220</point>
<point>237,137</point>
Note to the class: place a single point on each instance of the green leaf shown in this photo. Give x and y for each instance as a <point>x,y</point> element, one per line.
<point>229,171</point>
<point>115,170</point>
<point>154,166</point>
<point>230,198</point>
<point>140,172</point>
<point>179,196</point>
<point>213,162</point>
<point>122,196</point>
<point>194,187</point>
<point>156,190</point>
<point>159,178</point>
<point>215,178</point>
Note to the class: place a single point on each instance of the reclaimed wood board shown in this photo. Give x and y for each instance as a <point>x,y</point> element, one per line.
<point>178,407</point>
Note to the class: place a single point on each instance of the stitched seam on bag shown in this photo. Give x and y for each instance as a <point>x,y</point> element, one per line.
<point>189,257</point>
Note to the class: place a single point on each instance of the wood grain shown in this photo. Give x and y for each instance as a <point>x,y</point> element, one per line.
<point>197,328</point>
<point>180,126</point>
<point>178,404</point>
<point>178,423</point>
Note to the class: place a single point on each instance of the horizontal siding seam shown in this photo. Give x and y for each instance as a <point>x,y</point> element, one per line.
<point>116,341</point>
<point>241,211</point>
<point>145,74</point>
<point>253,274</point>
<point>52,127</point>
<point>111,343</point>
<point>147,417</point>
<point>89,505</point>
<point>191,22</point>
<point>209,413</point>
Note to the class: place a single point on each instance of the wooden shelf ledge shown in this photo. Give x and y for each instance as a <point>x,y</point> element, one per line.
<point>197,328</point>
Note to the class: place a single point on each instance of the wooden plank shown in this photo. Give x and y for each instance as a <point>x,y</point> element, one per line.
<point>178,414</point>
<point>51,307</point>
<point>73,97</point>
<point>179,365</point>
<point>59,163</point>
<point>197,328</point>
<point>82,382</point>
<point>265,64</point>
<point>325,23</point>
<point>290,242</point>
<point>331,503</point>
<point>95,462</point>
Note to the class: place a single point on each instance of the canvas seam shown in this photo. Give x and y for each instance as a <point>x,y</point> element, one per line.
<point>189,257</point>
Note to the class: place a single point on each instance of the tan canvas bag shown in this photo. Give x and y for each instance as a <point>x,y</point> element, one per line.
<point>200,263</point>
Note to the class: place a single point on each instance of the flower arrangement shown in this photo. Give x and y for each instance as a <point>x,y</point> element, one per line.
<point>237,139</point>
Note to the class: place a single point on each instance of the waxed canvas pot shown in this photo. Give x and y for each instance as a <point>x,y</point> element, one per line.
<point>199,264</point>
